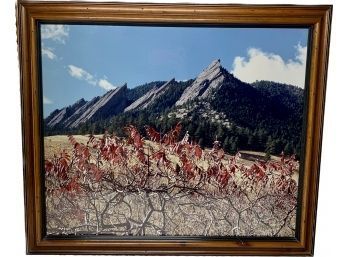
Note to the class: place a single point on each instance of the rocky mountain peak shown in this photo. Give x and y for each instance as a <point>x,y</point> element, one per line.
<point>112,102</point>
<point>209,79</point>
<point>150,97</point>
<point>59,116</point>
<point>216,64</point>
<point>80,101</point>
<point>101,108</point>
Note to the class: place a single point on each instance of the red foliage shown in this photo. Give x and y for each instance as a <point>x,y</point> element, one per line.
<point>131,164</point>
<point>153,134</point>
<point>198,151</point>
<point>134,136</point>
<point>160,157</point>
<point>172,136</point>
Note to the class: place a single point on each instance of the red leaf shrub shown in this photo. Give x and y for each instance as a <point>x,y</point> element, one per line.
<point>167,166</point>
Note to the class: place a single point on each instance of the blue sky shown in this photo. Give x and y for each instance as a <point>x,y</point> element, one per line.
<point>83,61</point>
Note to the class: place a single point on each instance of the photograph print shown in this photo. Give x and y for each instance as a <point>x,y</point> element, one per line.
<point>162,132</point>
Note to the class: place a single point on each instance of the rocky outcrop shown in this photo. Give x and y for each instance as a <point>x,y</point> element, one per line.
<point>111,103</point>
<point>79,112</point>
<point>211,78</point>
<point>117,101</point>
<point>59,116</point>
<point>101,107</point>
<point>150,97</point>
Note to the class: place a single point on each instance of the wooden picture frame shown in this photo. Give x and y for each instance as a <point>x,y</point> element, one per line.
<point>30,13</point>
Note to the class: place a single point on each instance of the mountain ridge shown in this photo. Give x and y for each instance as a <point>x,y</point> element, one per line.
<point>148,98</point>
<point>209,79</point>
<point>264,110</point>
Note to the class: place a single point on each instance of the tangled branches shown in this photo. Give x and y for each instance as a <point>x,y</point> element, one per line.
<point>166,186</point>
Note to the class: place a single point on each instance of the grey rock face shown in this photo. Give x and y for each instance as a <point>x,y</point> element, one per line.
<point>80,111</point>
<point>211,78</point>
<point>116,101</point>
<point>150,97</point>
<point>59,116</point>
<point>113,102</point>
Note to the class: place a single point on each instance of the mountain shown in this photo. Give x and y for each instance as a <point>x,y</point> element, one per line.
<point>206,83</point>
<point>111,103</point>
<point>262,116</point>
<point>58,116</point>
<point>149,97</point>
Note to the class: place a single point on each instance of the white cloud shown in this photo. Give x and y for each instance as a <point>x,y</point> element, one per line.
<point>55,32</point>
<point>103,83</point>
<point>46,100</point>
<point>260,65</point>
<point>48,52</point>
<point>81,74</point>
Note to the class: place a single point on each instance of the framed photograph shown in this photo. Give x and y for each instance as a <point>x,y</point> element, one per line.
<point>171,128</point>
